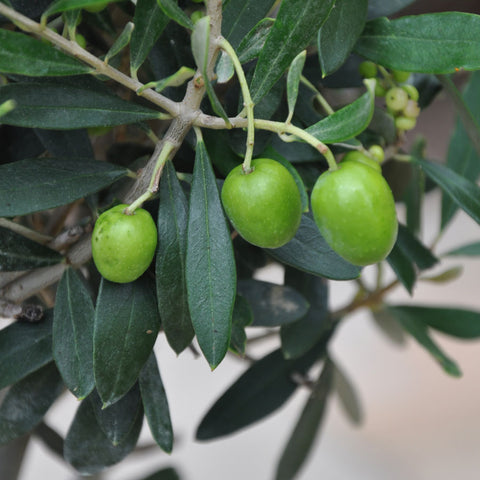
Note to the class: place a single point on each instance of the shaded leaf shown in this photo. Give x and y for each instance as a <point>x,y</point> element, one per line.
<point>45,183</point>
<point>252,44</point>
<point>65,5</point>
<point>347,395</point>
<point>388,326</point>
<point>414,250</point>
<point>120,42</point>
<point>164,474</point>
<point>73,334</point>
<point>445,276</point>
<point>172,10</point>
<point>242,317</point>
<point>470,250</point>
<point>403,267</point>
<point>126,326</point>
<point>380,8</point>
<point>66,143</point>
<point>210,266</point>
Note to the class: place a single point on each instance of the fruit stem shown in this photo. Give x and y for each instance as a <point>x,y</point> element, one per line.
<point>168,147</point>
<point>321,99</point>
<point>386,76</point>
<point>247,101</point>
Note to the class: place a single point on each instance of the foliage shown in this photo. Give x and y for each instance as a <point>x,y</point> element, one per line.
<point>162,103</point>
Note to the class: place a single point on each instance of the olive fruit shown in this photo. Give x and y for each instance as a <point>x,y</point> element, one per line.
<point>354,209</point>
<point>123,245</point>
<point>396,99</point>
<point>368,69</point>
<point>263,205</point>
<point>400,76</point>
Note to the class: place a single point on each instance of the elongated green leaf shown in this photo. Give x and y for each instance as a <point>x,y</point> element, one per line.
<point>242,317</point>
<point>118,420</point>
<point>155,404</point>
<point>66,143</point>
<point>465,193</point>
<point>88,449</point>
<point>457,322</point>
<point>462,156</point>
<point>403,267</point>
<point>27,401</point>
<point>257,393</point>
<point>252,44</point>
<point>24,348</point>
<point>272,305</point>
<point>240,16</point>
<point>338,34</point>
<point>347,395</point>
<point>126,326</point>
<point>24,55</point>
<point>121,42</point>
<point>50,182</point>
<point>170,262</point>
<point>73,334</point>
<point>210,267</point>
<point>150,21</point>
<point>293,80</point>
<point>349,121</point>
<point>388,325</point>
<point>308,251</point>
<point>429,43</point>
<point>307,427</point>
<point>419,331</point>
<point>51,106</point>
<point>445,276</point>
<point>296,24</point>
<point>20,253</point>
<point>470,250</point>
<point>381,8</point>
<point>66,5</point>
<point>172,10</point>
<point>414,250</point>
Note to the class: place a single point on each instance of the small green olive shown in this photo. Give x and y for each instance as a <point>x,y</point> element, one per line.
<point>396,99</point>
<point>400,76</point>
<point>405,123</point>
<point>368,69</point>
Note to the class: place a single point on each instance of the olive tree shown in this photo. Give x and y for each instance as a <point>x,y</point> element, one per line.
<point>190,144</point>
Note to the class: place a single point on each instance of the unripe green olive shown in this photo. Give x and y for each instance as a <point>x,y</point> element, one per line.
<point>405,123</point>
<point>380,90</point>
<point>412,91</point>
<point>354,209</point>
<point>400,76</point>
<point>368,69</point>
<point>80,39</point>
<point>264,205</point>
<point>396,99</point>
<point>377,152</point>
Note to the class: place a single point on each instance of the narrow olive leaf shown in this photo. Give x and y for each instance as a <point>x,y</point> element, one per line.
<point>224,68</point>
<point>149,21</point>
<point>66,143</point>
<point>88,449</point>
<point>388,325</point>
<point>293,81</point>
<point>347,395</point>
<point>170,261</point>
<point>59,6</point>
<point>257,393</point>
<point>27,402</point>
<point>210,265</point>
<point>457,322</point>
<point>307,428</point>
<point>308,251</point>
<point>414,249</point>
<point>44,183</point>
<point>337,36</point>
<point>296,24</point>
<point>24,348</point>
<point>470,250</point>
<point>413,196</point>
<point>240,16</point>
<point>20,253</point>
<point>430,43</point>
<point>164,474</point>
<point>242,317</point>
<point>121,42</point>
<point>272,305</point>
<point>118,420</point>
<point>155,404</point>
<point>381,8</point>
<point>73,334</point>
<point>465,193</point>
<point>24,55</point>
<point>66,107</point>
<point>403,268</point>
<point>419,330</point>
<point>126,326</point>
<point>447,275</point>
<point>462,157</point>
<point>349,121</point>
<point>173,11</point>
<point>252,44</point>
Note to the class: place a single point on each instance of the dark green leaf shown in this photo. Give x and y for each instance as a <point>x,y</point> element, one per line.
<point>20,253</point>
<point>388,326</point>
<point>430,43</point>
<point>457,322</point>
<point>66,143</point>
<point>172,10</point>
<point>210,267</point>
<point>120,42</point>
<point>150,22</point>
<point>261,390</point>
<point>240,16</point>
<point>119,419</point>
<point>126,326</point>
<point>65,5</point>
<point>170,261</point>
<point>26,403</point>
<point>414,193</point>
<point>65,107</point>
<point>24,55</point>
<point>164,474</point>
<point>307,427</point>
<point>347,395</point>
<point>296,24</point>
<point>88,449</point>
<point>347,122</point>
<point>24,348</point>
<point>308,251</point>
<point>45,183</point>
<point>73,334</point>
<point>403,268</point>
<point>155,404</point>
<point>272,305</point>
<point>380,8</point>
<point>418,329</point>
<point>253,42</point>
<point>242,317</point>
<point>338,34</point>
<point>464,192</point>
<point>414,250</point>
<point>470,250</point>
